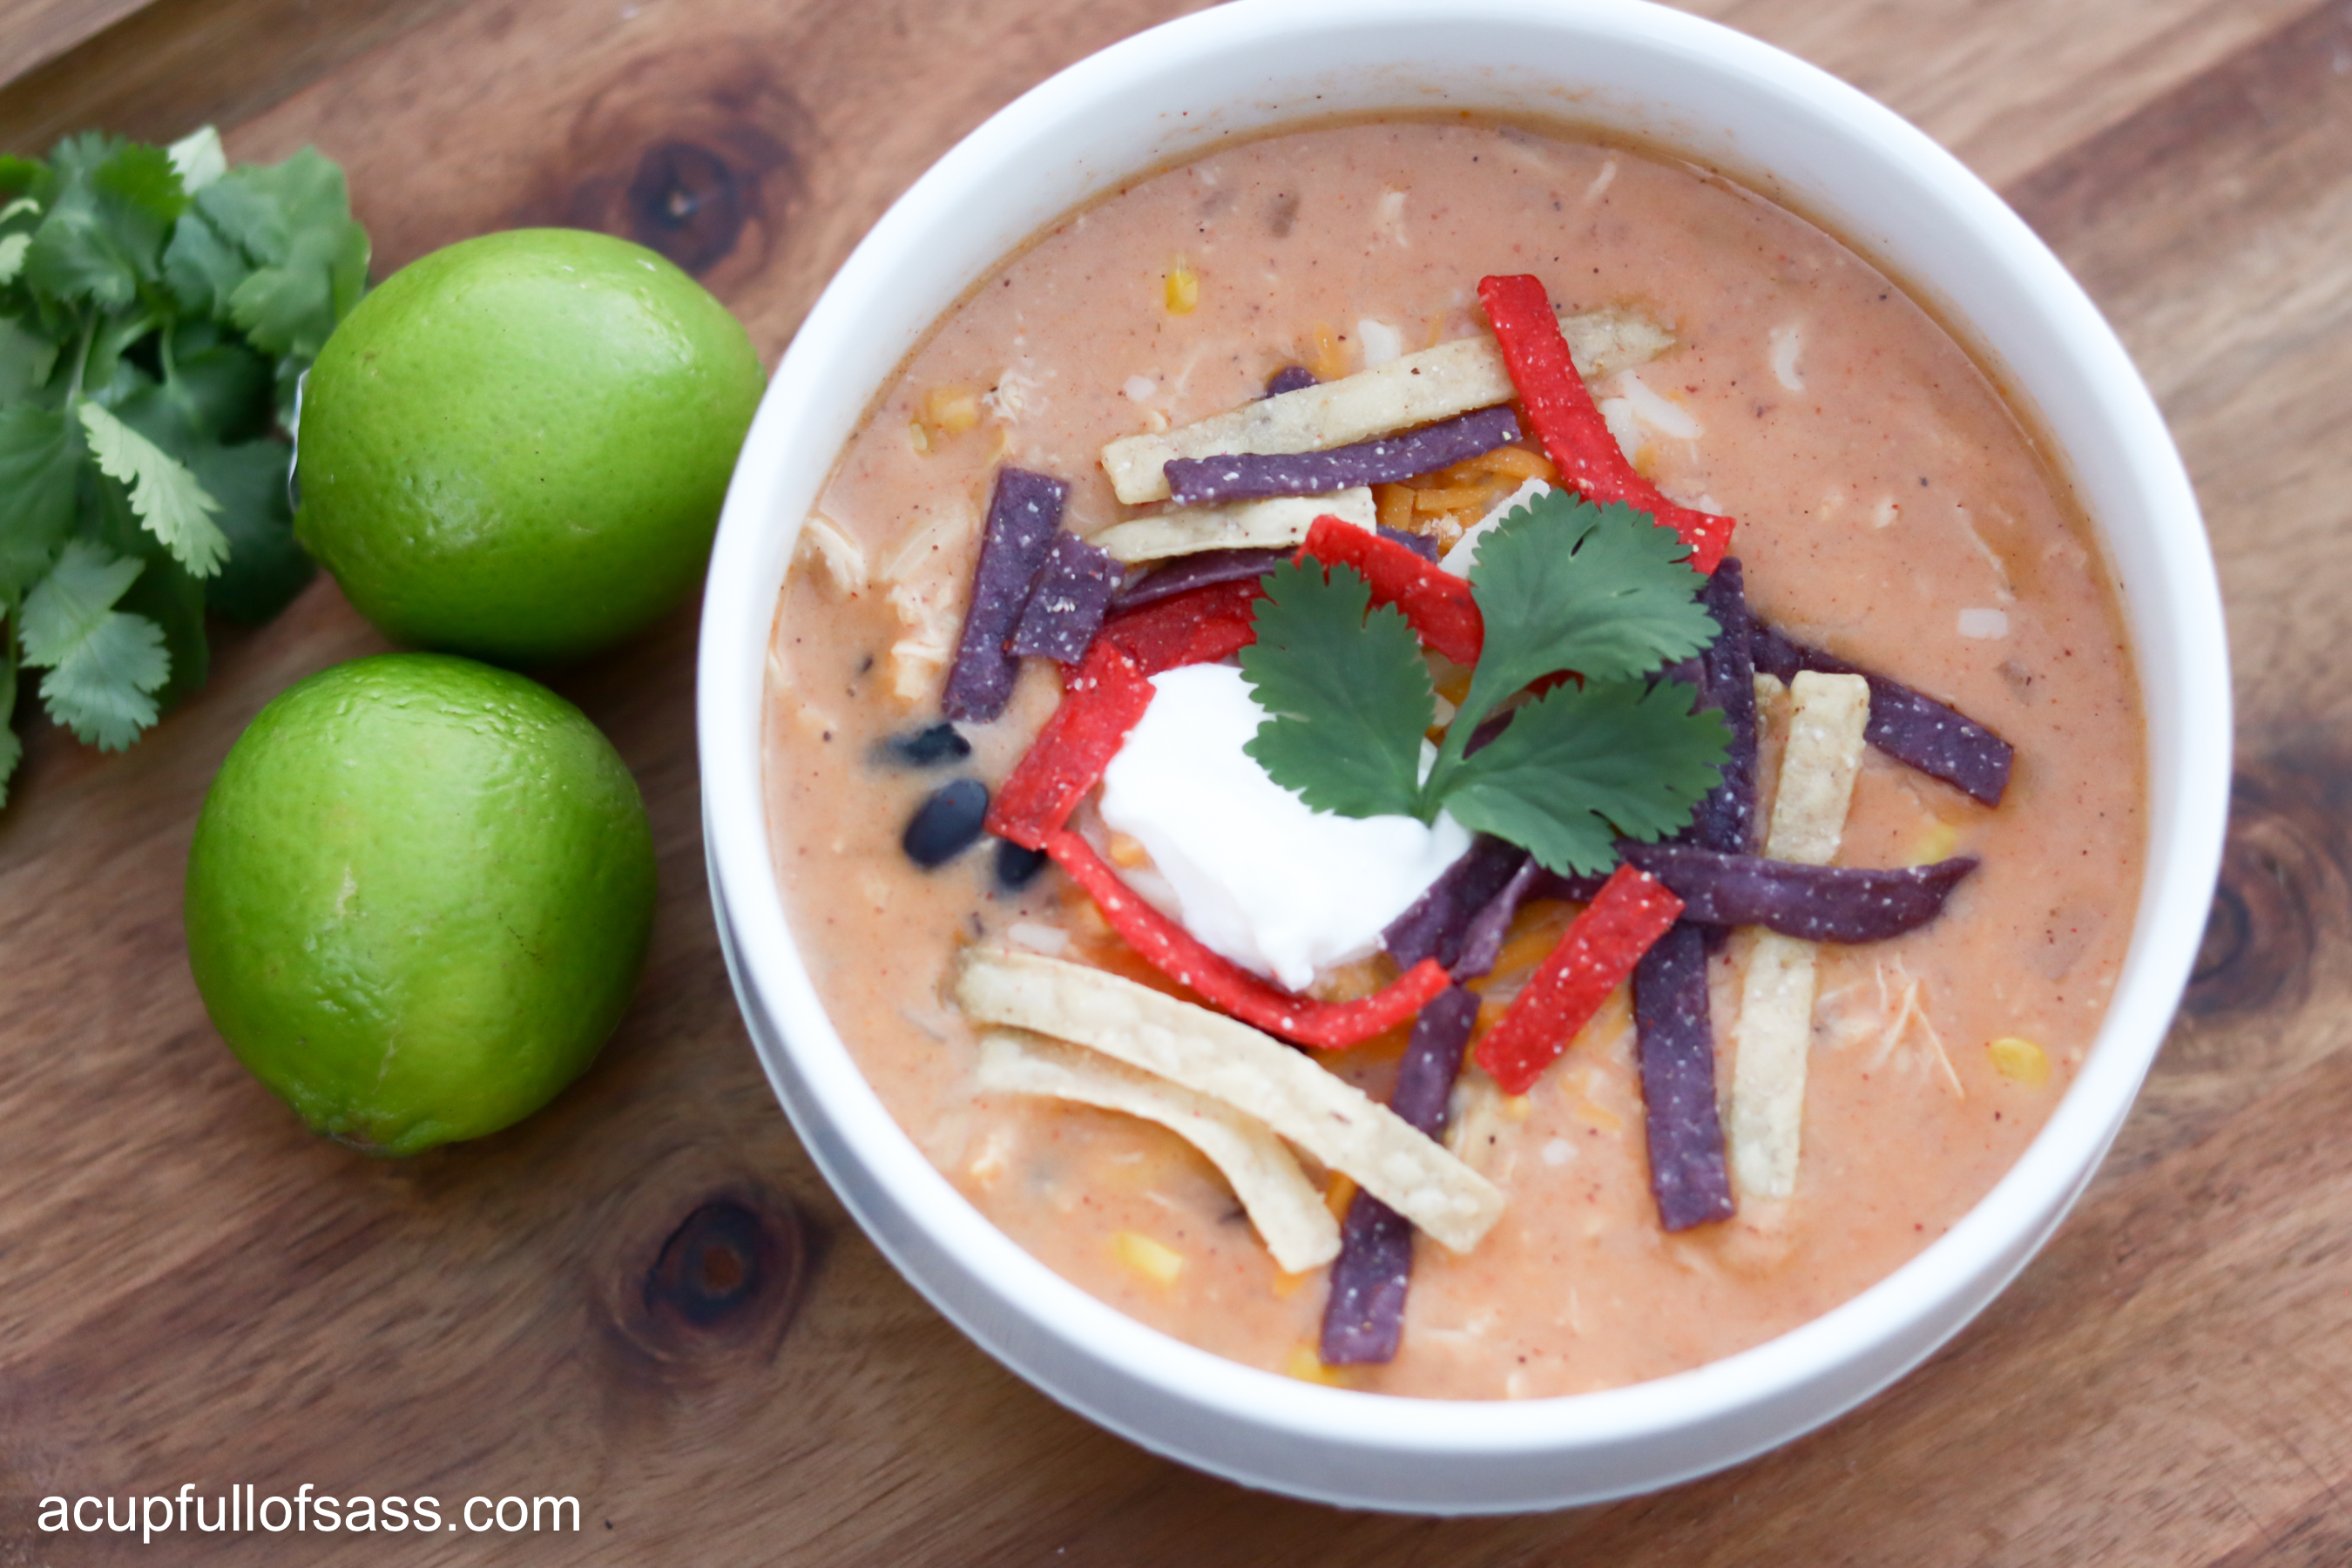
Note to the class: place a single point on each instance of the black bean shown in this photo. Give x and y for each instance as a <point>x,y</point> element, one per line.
<point>946,824</point>
<point>1016,867</point>
<point>928,748</point>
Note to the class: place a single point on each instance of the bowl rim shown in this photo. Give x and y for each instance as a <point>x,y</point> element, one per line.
<point>1990,1242</point>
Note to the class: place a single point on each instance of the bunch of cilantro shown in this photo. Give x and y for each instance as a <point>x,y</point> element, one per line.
<point>1564,586</point>
<point>157,309</point>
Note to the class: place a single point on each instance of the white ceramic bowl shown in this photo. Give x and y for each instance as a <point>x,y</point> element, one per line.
<point>1788,131</point>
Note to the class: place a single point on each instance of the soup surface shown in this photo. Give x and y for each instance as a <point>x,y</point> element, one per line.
<point>1891,508</point>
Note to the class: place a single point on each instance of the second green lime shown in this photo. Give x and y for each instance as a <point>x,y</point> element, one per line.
<point>418,898</point>
<point>517,447</point>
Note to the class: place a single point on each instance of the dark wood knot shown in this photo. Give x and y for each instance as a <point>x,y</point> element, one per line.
<point>714,1266</point>
<point>688,203</point>
<point>692,154</point>
<point>726,1279</point>
<point>2280,868</point>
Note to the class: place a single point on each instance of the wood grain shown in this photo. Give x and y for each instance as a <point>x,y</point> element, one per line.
<point>647,1298</point>
<point>38,31</point>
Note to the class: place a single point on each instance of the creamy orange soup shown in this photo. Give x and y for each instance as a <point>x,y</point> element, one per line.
<point>1891,508</point>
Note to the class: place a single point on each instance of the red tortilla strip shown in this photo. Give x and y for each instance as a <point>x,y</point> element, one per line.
<point>1569,423</point>
<point>1632,912</point>
<point>1198,627</point>
<point>1104,699</point>
<point>1177,953</point>
<point>1436,602</point>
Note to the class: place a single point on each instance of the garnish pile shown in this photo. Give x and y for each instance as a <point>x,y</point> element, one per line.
<point>157,309</point>
<point>1561,586</point>
<point>1591,681</point>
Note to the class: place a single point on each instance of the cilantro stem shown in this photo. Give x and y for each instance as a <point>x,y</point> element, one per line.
<point>80,362</point>
<point>1458,731</point>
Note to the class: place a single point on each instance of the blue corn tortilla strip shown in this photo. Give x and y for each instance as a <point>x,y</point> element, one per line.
<point>1289,378</point>
<point>1433,925</point>
<point>1688,1175</point>
<point>1066,606</point>
<point>1203,570</point>
<point>1199,482</point>
<point>1421,545</point>
<point>1025,517</point>
<point>1816,903</point>
<point>1481,940</point>
<point>1483,735</point>
<point>1576,890</point>
<point>1363,1318</point>
<point>1912,728</point>
<point>1726,677</point>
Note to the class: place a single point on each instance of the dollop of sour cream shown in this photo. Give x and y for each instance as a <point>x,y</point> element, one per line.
<point>1260,879</point>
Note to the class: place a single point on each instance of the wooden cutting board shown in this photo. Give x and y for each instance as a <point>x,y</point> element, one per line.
<point>645,1298</point>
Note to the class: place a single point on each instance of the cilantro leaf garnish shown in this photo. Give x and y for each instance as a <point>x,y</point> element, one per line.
<point>1577,769</point>
<point>1350,689</point>
<point>156,309</point>
<point>1600,594</point>
<point>1565,584</point>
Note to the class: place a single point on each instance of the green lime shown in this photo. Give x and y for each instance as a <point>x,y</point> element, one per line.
<point>517,447</point>
<point>418,898</point>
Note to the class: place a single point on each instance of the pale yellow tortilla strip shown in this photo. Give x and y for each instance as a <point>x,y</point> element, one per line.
<point>1774,1030</point>
<point>1817,764</point>
<point>1435,383</point>
<point>1270,524</point>
<point>1290,1214</point>
<point>1253,1072</point>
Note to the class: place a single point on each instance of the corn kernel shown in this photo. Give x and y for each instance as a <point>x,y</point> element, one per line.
<point>917,436</point>
<point>1330,361</point>
<point>1594,1114</point>
<point>1339,1195</point>
<point>1159,1264</point>
<point>2020,1061</point>
<point>1127,853</point>
<point>952,409</point>
<point>1304,1364</point>
<point>1936,843</point>
<point>1184,290</point>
